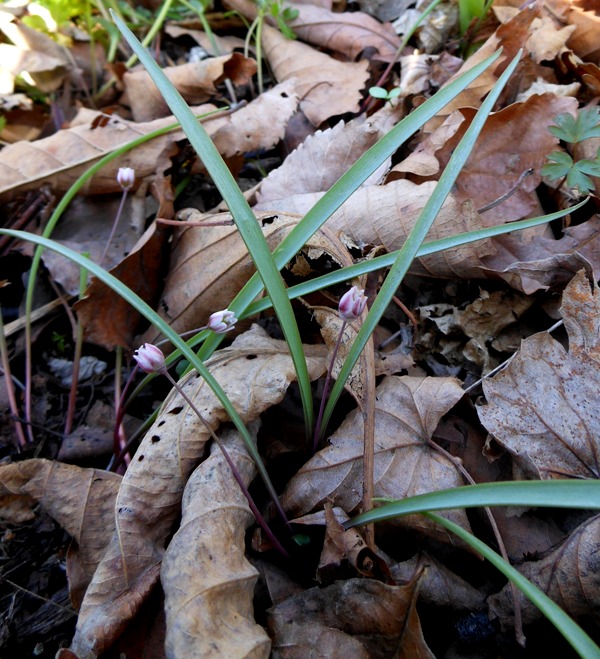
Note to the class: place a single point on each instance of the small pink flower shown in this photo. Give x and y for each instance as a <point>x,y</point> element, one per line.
<point>126,177</point>
<point>222,321</point>
<point>352,303</point>
<point>150,358</point>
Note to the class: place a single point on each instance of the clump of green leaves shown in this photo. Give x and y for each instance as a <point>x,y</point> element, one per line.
<point>572,130</point>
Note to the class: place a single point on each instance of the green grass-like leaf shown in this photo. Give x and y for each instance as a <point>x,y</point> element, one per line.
<point>351,180</point>
<point>572,632</point>
<point>411,246</point>
<point>583,494</point>
<point>243,216</point>
<point>145,310</point>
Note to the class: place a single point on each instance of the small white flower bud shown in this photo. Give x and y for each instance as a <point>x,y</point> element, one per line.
<point>149,358</point>
<point>222,321</point>
<point>126,177</point>
<point>352,303</point>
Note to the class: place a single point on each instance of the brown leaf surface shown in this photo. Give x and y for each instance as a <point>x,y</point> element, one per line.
<point>259,125</point>
<point>542,407</point>
<point>210,265</point>
<point>208,583</point>
<point>359,618</point>
<point>347,33</point>
<point>60,159</point>
<point>385,215</point>
<point>407,413</point>
<point>569,575</point>
<point>323,157</point>
<point>195,81</point>
<point>498,159</point>
<point>108,320</point>
<point>80,500</point>
<point>314,72</point>
<point>255,373</point>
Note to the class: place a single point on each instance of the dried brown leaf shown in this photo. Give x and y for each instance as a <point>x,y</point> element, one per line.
<point>542,407</point>
<point>385,215</point>
<point>80,500</point>
<point>60,159</point>
<point>352,618</point>
<point>323,157</point>
<point>255,373</point>
<point>347,33</point>
<point>210,265</point>
<point>259,125</point>
<point>195,81</point>
<point>208,583</point>
<point>407,413</point>
<point>568,575</point>
<point>320,98</point>
<point>108,320</point>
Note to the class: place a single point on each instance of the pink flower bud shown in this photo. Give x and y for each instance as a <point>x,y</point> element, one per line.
<point>222,321</point>
<point>352,303</point>
<point>126,177</point>
<point>149,358</point>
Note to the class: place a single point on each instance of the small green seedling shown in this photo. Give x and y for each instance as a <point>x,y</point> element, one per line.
<point>384,94</point>
<point>573,130</point>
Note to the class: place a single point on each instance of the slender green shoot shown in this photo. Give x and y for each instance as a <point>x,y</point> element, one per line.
<point>244,218</point>
<point>145,310</point>
<point>416,237</point>
<point>579,640</point>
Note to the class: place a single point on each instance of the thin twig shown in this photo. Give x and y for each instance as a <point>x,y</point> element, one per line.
<point>507,195</point>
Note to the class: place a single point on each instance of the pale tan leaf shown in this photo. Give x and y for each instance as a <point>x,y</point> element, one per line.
<point>210,265</point>
<point>60,159</point>
<point>208,583</point>
<point>259,125</point>
<point>34,54</point>
<point>385,215</point>
<point>569,575</point>
<point>542,407</point>
<point>80,500</point>
<point>320,98</point>
<point>407,412</point>
<point>351,618</point>
<point>195,81</point>
<point>584,41</point>
<point>323,157</point>
<point>254,373</point>
<point>347,33</point>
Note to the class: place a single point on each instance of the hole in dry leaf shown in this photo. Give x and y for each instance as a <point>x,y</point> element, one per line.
<point>176,410</point>
<point>161,423</point>
<point>140,458</point>
<point>155,439</point>
<point>265,221</point>
<point>250,356</point>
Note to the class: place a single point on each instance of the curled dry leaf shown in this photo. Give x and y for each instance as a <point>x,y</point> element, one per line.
<point>259,125</point>
<point>196,82</point>
<point>407,412</point>
<point>511,37</point>
<point>313,72</point>
<point>208,583</point>
<point>108,320</point>
<point>323,157</point>
<point>80,500</point>
<point>359,618</point>
<point>568,575</point>
<point>255,373</point>
<point>386,214</point>
<point>542,407</point>
<point>346,33</point>
<point>61,158</point>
